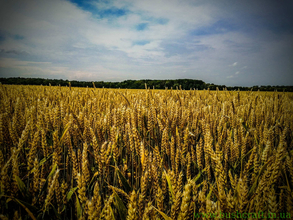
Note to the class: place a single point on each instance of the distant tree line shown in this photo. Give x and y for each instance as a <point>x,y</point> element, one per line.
<point>185,84</point>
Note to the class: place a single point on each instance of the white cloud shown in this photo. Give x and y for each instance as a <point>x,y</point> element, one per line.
<point>61,38</point>
<point>178,12</point>
<point>10,62</point>
<point>51,25</point>
<point>234,64</point>
<point>41,69</point>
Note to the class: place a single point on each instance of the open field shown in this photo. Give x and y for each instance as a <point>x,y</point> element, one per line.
<point>83,153</point>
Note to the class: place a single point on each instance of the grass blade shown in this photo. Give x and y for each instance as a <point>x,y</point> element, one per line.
<point>163,214</point>
<point>120,207</point>
<point>124,181</point>
<point>170,185</point>
<point>70,193</point>
<point>21,186</point>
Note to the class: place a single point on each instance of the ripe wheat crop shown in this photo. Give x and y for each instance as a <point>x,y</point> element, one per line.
<point>87,153</point>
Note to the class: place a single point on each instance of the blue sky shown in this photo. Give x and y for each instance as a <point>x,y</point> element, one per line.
<point>226,42</point>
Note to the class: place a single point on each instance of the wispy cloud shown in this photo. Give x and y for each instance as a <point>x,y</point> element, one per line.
<point>234,64</point>
<point>15,52</point>
<point>10,62</point>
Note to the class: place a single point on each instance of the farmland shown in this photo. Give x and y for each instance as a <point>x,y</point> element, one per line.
<point>89,153</point>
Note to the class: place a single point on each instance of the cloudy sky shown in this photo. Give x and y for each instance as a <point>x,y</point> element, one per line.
<point>227,42</point>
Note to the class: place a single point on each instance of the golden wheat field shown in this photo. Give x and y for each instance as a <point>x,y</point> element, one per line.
<point>87,153</point>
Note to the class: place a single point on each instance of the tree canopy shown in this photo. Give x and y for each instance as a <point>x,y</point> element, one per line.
<point>185,84</point>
